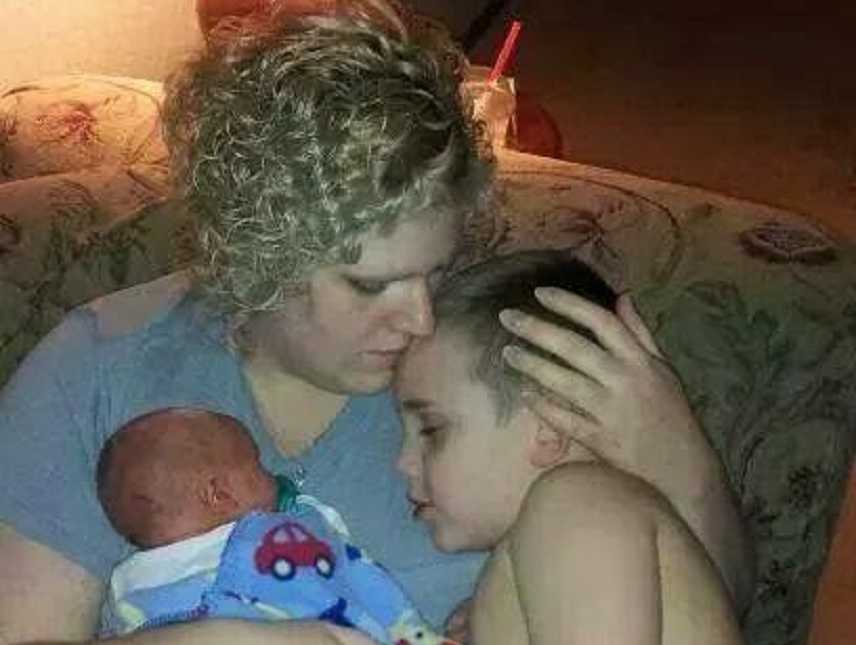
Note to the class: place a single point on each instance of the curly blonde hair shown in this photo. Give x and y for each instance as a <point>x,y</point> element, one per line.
<point>292,136</point>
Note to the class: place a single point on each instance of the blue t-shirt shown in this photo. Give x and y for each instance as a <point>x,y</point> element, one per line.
<point>153,346</point>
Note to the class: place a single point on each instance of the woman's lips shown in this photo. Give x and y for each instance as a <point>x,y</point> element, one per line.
<point>385,358</point>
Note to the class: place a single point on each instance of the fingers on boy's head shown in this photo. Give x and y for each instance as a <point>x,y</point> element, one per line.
<point>471,302</point>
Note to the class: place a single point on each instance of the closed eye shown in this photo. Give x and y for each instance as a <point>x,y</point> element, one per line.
<point>368,287</point>
<point>430,432</point>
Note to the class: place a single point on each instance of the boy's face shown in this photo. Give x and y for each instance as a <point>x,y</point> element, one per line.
<point>466,477</point>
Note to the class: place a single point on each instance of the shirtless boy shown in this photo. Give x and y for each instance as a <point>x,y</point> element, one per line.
<point>582,552</point>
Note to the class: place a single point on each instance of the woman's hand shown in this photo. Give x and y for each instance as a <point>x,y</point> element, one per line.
<point>623,402</point>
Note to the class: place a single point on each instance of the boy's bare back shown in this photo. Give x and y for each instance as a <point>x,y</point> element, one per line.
<point>591,539</point>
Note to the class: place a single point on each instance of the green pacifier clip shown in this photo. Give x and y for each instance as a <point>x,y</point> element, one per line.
<point>286,493</point>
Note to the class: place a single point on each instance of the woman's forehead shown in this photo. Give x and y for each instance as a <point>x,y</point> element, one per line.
<point>416,245</point>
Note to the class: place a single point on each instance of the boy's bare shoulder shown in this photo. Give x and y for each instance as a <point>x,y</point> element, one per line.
<point>593,481</point>
<point>583,496</point>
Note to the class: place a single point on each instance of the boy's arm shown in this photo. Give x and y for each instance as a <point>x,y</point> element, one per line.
<point>585,561</point>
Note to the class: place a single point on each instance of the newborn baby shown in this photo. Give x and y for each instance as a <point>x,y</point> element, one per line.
<point>221,537</point>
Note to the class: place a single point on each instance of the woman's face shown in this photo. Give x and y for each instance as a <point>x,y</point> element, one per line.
<point>347,333</point>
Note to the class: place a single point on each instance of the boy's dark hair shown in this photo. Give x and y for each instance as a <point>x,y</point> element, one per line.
<point>471,300</point>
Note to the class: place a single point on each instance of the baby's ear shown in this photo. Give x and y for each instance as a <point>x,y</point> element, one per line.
<point>548,446</point>
<point>216,495</point>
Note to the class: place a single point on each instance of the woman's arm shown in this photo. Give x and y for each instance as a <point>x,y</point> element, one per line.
<point>46,599</point>
<point>237,632</point>
<point>625,403</point>
<point>44,595</point>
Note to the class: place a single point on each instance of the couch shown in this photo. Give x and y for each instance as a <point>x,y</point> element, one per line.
<point>756,307</point>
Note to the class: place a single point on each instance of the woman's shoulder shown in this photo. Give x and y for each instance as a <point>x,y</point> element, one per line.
<point>124,348</point>
<point>125,312</point>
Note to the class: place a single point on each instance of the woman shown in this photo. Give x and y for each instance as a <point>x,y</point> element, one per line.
<point>331,167</point>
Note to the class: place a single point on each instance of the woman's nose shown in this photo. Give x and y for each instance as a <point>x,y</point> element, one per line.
<point>415,316</point>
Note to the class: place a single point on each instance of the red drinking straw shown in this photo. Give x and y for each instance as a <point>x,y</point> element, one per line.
<point>505,53</point>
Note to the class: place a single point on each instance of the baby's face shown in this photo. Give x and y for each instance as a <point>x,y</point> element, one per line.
<point>467,477</point>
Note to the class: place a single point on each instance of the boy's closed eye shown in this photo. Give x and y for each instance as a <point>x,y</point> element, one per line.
<point>432,431</point>
<point>429,432</point>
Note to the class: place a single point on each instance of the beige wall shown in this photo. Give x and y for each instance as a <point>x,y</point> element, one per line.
<point>142,38</point>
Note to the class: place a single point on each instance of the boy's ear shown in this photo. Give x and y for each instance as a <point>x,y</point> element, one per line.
<point>548,446</point>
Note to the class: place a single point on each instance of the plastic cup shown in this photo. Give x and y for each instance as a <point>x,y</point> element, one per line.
<point>493,103</point>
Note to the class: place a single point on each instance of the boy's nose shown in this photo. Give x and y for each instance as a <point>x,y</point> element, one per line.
<point>401,464</point>
<point>407,463</point>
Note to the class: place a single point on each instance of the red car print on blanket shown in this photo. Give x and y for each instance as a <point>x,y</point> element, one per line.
<point>287,547</point>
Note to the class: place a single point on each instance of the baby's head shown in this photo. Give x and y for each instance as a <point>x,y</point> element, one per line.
<point>176,473</point>
<point>471,448</point>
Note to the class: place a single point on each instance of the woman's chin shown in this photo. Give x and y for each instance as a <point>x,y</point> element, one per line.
<point>367,382</point>
<point>448,541</point>
<point>443,547</point>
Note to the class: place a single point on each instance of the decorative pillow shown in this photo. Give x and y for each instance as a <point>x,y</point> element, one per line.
<point>68,123</point>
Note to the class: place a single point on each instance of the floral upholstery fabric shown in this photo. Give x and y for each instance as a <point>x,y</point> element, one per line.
<point>68,123</point>
<point>755,307</point>
<point>83,208</point>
